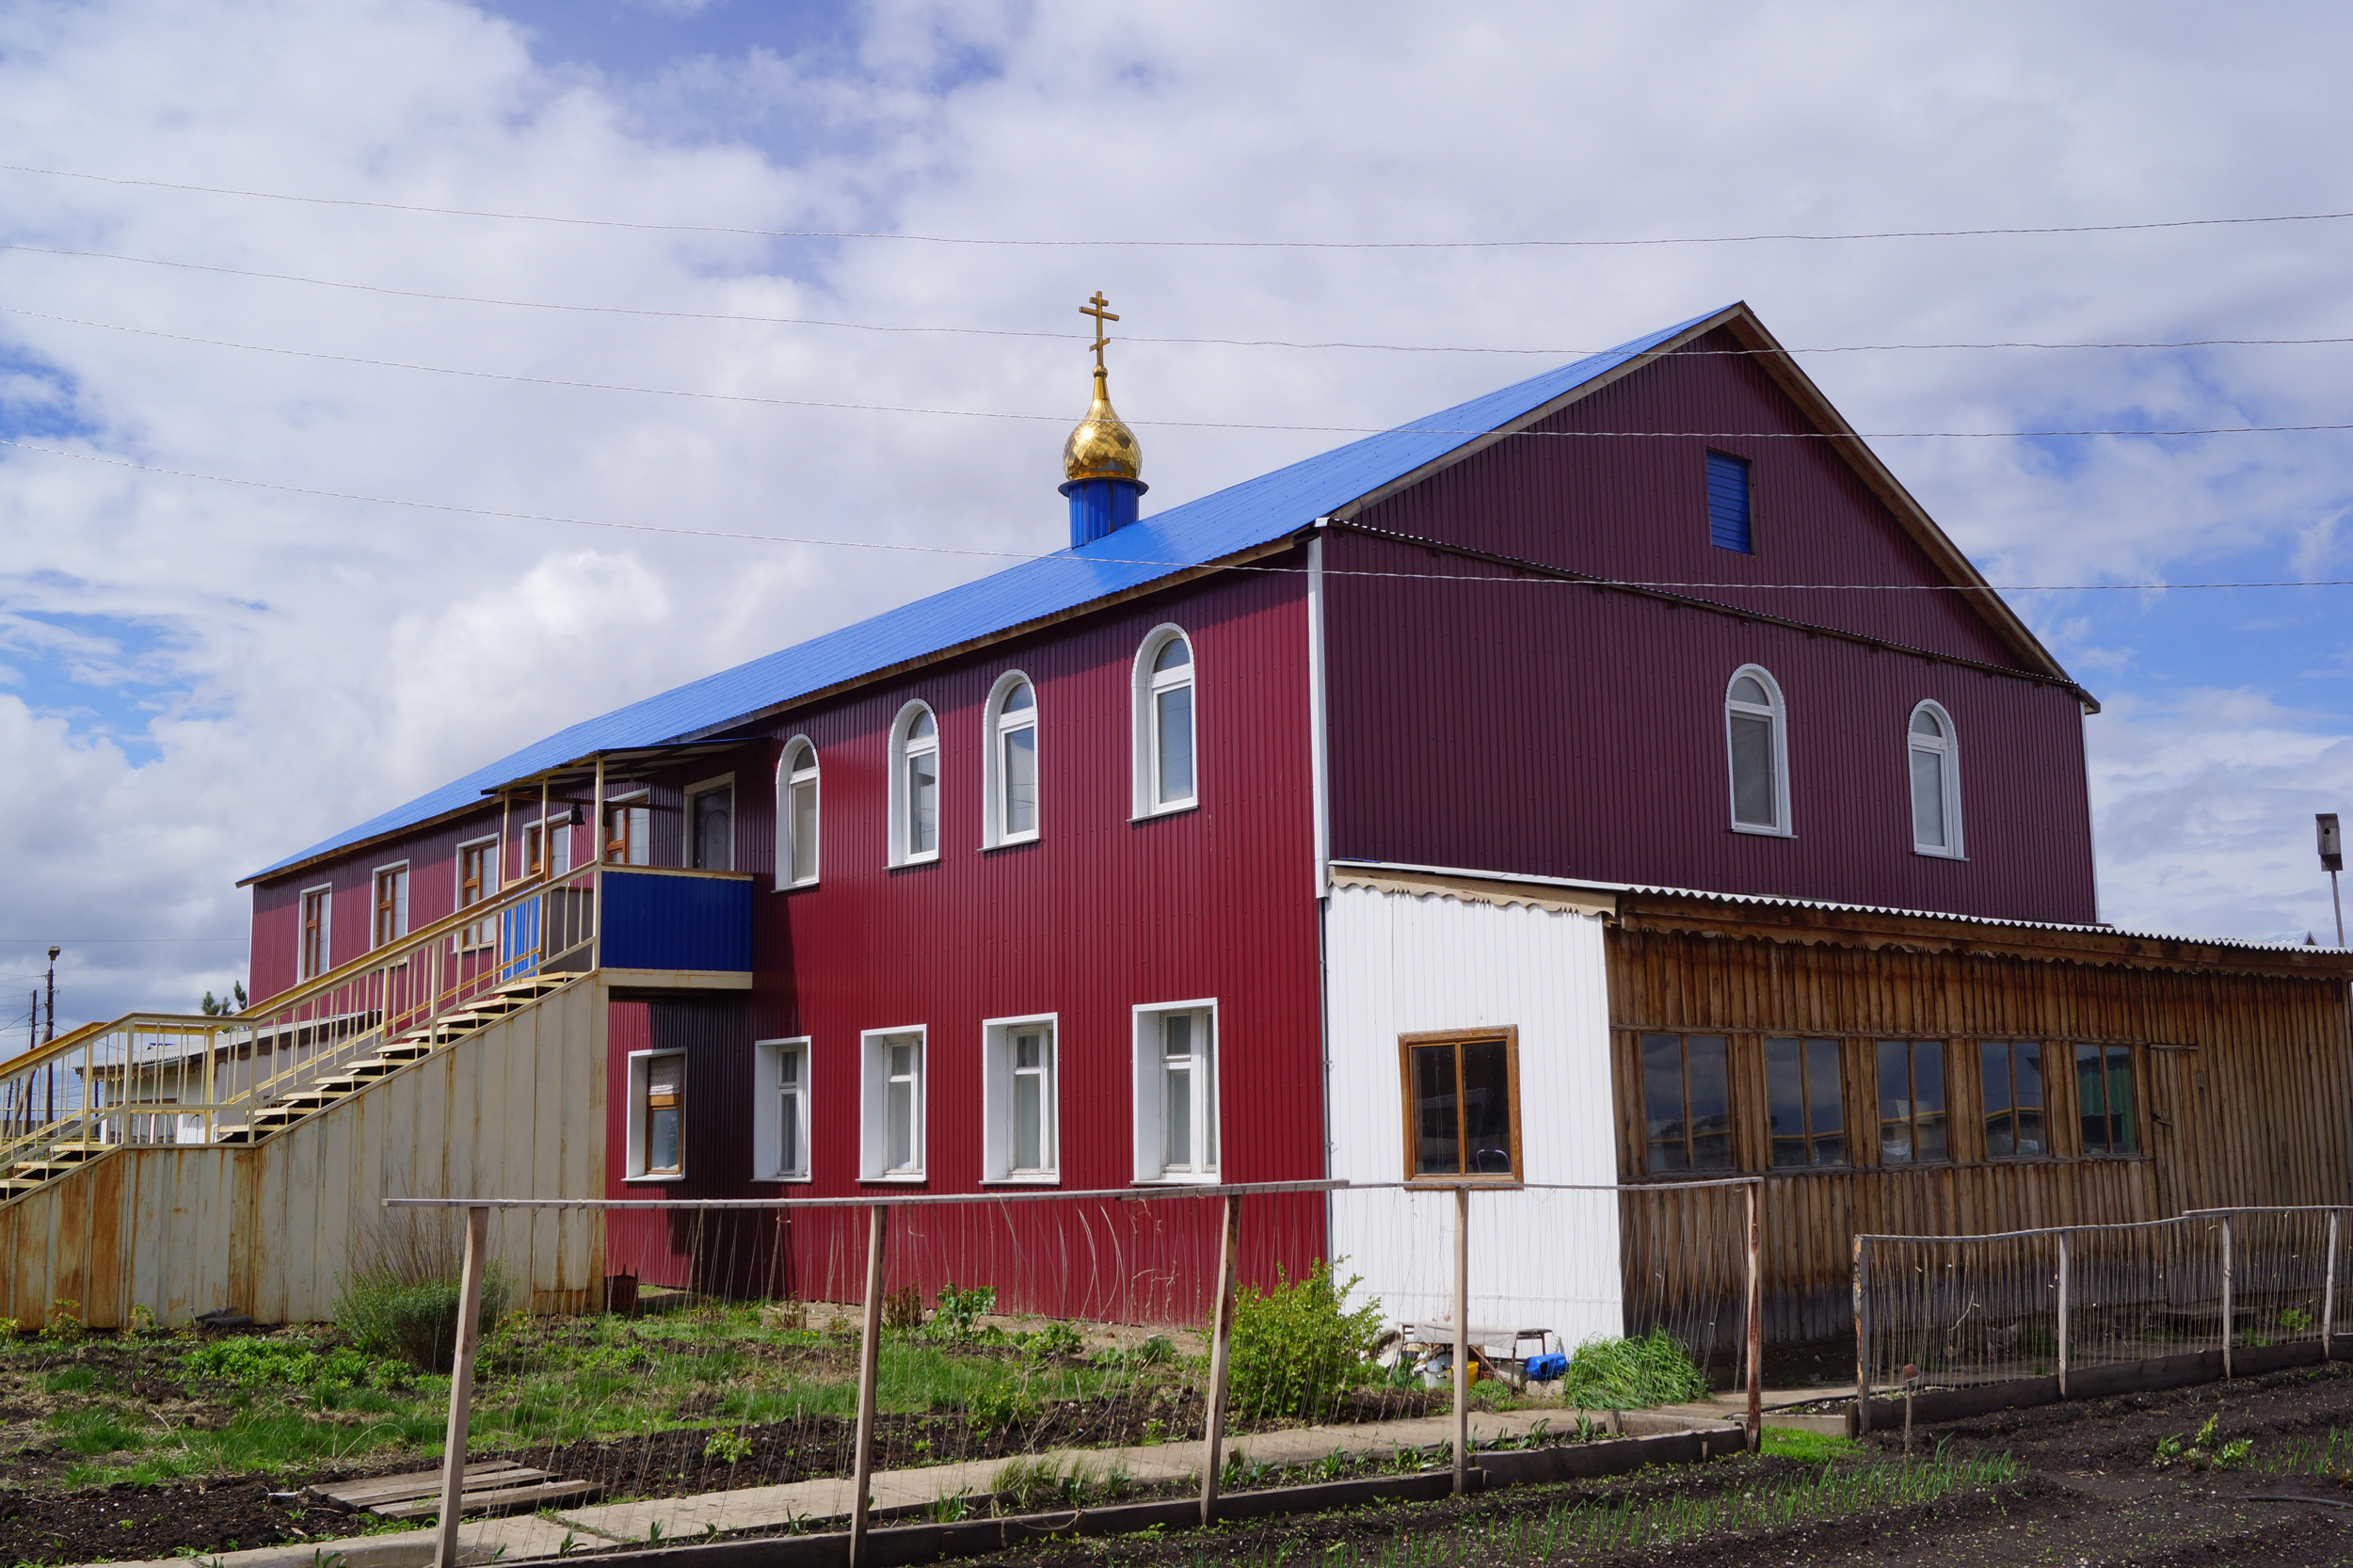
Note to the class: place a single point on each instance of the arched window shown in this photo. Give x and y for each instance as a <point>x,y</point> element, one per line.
<point>1935,756</point>
<point>796,814</point>
<point>914,786</point>
<point>1009,738</point>
<point>1165,778</point>
<point>1757,741</point>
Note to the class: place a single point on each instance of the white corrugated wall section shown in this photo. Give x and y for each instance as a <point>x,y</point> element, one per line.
<point>1400,964</point>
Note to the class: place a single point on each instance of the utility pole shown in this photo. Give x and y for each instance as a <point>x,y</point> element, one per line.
<point>55,949</point>
<point>2332,856</point>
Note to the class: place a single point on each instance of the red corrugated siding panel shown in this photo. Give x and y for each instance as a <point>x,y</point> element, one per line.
<point>1555,730</point>
<point>1635,510</point>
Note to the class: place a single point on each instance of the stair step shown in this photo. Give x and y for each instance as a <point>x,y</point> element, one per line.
<point>321,1095</point>
<point>84,1150</point>
<point>12,1185</point>
<point>375,1067</point>
<point>496,1006</point>
<point>37,1170</point>
<point>406,1049</point>
<point>529,990</point>
<point>232,1133</point>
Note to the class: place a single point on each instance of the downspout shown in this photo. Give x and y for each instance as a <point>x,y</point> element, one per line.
<point>1318,788</point>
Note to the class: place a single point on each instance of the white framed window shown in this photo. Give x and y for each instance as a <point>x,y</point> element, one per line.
<point>317,931</point>
<point>1176,1085</point>
<point>657,1117</point>
<point>890,1141</point>
<point>477,879</point>
<point>710,824</point>
<point>388,920</point>
<point>1934,754</point>
<point>629,829</point>
<point>1009,782</point>
<point>914,786</point>
<point>1166,766</point>
<point>547,845</point>
<point>1021,1107</point>
<point>780,1110</point>
<point>796,814</point>
<point>1756,746</point>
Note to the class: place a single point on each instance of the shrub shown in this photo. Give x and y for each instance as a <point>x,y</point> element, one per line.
<point>902,1309</point>
<point>400,1297</point>
<point>1630,1374</point>
<point>1006,1403</point>
<point>1296,1350</point>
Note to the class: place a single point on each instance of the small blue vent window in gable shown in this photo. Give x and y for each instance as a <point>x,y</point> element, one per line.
<point>1728,503</point>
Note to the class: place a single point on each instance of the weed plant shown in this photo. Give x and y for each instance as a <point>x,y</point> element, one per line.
<point>1632,1374</point>
<point>1297,1350</point>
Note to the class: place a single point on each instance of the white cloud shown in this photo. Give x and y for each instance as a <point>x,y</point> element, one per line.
<point>329,659</point>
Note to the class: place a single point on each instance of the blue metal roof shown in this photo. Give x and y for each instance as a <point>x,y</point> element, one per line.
<point>1241,517</point>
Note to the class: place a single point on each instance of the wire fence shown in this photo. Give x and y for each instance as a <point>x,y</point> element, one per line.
<point>1960,1311</point>
<point>767,1366</point>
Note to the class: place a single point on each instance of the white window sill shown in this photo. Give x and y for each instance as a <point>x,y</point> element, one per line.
<point>796,886</point>
<point>647,1180</point>
<point>1179,809</point>
<point>801,1179</point>
<point>1011,843</point>
<point>1180,1179</point>
<point>1762,832</point>
<point>1025,1178</point>
<point>931,859</point>
<point>896,1179</point>
<point>1934,854</point>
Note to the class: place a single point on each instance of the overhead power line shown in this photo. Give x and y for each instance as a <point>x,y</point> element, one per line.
<point>1155,424</point>
<point>1093,560</point>
<point>1183,243</point>
<point>739,318</point>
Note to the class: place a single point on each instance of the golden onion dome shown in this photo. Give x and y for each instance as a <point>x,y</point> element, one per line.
<point>1103,446</point>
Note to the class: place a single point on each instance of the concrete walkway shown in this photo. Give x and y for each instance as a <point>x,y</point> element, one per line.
<point>826,1503</point>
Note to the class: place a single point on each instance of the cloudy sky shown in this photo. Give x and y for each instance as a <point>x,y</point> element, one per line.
<point>198,676</point>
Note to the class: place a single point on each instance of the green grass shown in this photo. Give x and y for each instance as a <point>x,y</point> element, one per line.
<point>1631,1374</point>
<point>1812,1447</point>
<point>95,1431</point>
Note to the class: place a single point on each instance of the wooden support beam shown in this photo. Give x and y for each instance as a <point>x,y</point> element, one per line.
<point>1220,1347</point>
<point>461,1386</point>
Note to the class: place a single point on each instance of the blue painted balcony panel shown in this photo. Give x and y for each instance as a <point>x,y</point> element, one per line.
<point>657,921</point>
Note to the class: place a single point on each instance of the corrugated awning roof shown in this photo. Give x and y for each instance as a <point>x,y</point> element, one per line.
<point>1243,517</point>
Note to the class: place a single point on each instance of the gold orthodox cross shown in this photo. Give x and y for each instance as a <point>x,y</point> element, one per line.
<point>1095,308</point>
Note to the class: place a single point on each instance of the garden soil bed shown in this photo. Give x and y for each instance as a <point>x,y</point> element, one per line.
<point>2087,1496</point>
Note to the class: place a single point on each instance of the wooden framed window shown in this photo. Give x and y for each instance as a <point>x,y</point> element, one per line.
<point>318,910</point>
<point>2103,1099</point>
<point>659,1115</point>
<point>1462,1092</point>
<point>1803,1100</point>
<point>1687,1103</point>
<point>477,879</point>
<point>548,846</point>
<point>391,904</point>
<point>1913,1125</point>
<point>629,832</point>
<point>2010,1072</point>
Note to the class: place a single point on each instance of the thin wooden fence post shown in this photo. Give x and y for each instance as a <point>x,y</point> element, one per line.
<point>1756,1326</point>
<point>1461,1340</point>
<point>2328,1295</point>
<point>1862,1337</point>
<point>1220,1345</point>
<point>2062,1314</point>
<point>868,1358</point>
<point>2227,1312</point>
<point>461,1386</point>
